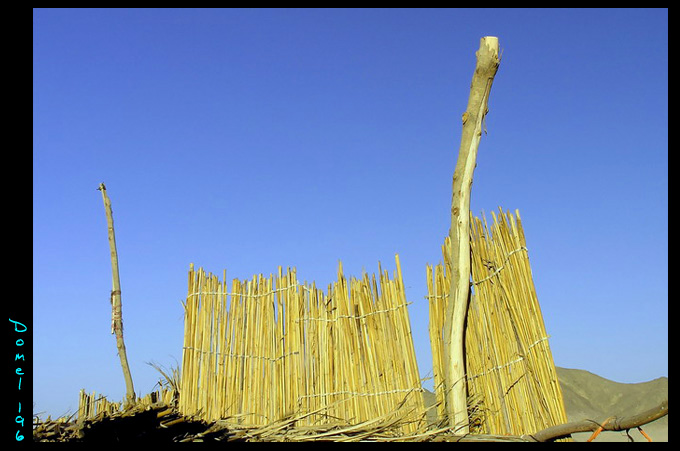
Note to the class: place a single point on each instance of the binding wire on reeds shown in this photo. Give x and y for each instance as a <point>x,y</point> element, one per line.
<point>270,348</point>
<point>509,366</point>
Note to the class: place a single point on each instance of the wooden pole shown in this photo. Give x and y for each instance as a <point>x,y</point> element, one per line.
<point>116,304</point>
<point>455,384</point>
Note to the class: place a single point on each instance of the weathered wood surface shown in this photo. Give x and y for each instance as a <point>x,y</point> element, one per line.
<point>473,123</point>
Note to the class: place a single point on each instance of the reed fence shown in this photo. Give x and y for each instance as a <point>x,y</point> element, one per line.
<point>92,406</point>
<point>512,381</point>
<point>272,348</point>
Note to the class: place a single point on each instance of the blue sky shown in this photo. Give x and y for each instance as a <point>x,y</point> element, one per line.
<point>248,139</point>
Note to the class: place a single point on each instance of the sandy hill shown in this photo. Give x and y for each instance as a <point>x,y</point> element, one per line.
<point>589,396</point>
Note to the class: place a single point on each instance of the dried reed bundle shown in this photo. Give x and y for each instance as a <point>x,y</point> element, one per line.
<point>93,406</point>
<point>273,346</point>
<point>390,426</point>
<point>509,367</point>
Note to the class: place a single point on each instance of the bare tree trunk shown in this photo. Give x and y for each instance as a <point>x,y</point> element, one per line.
<point>456,310</point>
<point>116,303</point>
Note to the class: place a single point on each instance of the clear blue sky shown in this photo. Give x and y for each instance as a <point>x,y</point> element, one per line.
<point>247,139</point>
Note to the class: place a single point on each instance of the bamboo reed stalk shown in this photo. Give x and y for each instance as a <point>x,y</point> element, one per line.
<point>508,362</point>
<point>279,346</point>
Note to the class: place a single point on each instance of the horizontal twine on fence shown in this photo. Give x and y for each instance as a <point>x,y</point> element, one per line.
<point>243,355</point>
<point>493,274</point>
<point>399,390</point>
<point>499,367</point>
<point>512,362</point>
<point>490,276</point>
<point>354,316</point>
<point>246,295</point>
<point>201,293</point>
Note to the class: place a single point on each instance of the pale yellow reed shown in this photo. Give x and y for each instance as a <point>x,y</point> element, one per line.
<point>510,371</point>
<point>273,347</point>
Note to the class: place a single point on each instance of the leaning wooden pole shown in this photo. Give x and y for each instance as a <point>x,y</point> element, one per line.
<point>459,233</point>
<point>116,303</point>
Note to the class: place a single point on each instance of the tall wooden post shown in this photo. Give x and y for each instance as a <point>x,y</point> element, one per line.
<point>459,233</point>
<point>116,303</point>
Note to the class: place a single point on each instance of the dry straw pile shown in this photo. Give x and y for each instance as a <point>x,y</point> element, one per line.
<point>511,376</point>
<point>272,348</point>
<point>92,406</point>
